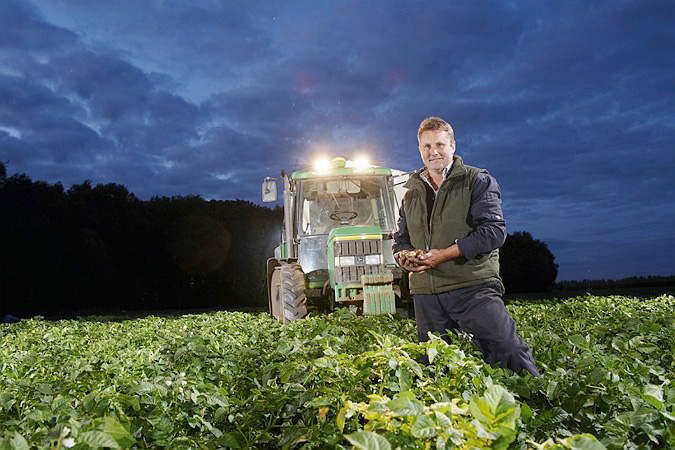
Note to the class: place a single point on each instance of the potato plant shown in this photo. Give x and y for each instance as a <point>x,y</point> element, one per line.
<point>240,380</point>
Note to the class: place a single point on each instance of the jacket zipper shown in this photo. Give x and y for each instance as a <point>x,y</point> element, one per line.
<point>433,210</point>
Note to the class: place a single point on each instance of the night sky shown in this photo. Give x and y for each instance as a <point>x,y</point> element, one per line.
<point>569,104</point>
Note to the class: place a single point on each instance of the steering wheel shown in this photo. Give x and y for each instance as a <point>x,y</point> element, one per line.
<point>344,216</point>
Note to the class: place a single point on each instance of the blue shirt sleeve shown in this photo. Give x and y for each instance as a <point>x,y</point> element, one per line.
<point>401,236</point>
<point>488,219</point>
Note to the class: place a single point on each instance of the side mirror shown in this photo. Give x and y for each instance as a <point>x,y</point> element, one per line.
<point>269,190</point>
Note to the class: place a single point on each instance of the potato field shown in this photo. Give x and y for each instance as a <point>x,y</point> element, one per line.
<point>240,380</point>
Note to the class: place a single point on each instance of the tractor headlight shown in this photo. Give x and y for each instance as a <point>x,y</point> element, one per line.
<point>373,259</point>
<point>361,163</point>
<point>322,165</point>
<point>345,260</point>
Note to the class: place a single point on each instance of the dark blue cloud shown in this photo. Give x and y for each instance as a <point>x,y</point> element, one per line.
<point>568,104</point>
<point>21,31</point>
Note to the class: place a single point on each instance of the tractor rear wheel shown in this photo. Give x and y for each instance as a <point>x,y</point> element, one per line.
<point>293,292</point>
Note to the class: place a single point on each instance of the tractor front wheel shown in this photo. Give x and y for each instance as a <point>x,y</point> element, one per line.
<point>276,301</point>
<point>292,292</point>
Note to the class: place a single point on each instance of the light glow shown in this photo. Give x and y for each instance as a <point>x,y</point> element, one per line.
<point>322,165</point>
<point>361,163</point>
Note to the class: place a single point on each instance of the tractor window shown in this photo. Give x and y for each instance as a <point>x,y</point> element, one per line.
<point>330,203</point>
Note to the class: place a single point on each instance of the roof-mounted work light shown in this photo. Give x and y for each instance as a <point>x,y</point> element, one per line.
<point>361,163</point>
<point>322,165</point>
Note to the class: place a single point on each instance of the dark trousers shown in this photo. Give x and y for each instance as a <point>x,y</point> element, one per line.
<point>479,311</point>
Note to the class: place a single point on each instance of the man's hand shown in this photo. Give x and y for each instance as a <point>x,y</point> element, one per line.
<point>428,260</point>
<point>410,262</point>
<point>408,259</point>
<point>415,265</point>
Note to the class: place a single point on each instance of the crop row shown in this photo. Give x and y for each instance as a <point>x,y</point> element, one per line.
<point>239,380</point>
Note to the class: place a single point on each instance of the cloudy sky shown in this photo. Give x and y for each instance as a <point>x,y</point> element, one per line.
<point>569,104</point>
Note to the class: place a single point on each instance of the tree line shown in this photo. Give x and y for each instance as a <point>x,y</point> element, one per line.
<point>100,249</point>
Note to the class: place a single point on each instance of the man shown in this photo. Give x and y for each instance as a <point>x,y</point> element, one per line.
<point>453,213</point>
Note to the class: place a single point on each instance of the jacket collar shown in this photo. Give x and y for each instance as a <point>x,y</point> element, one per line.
<point>457,169</point>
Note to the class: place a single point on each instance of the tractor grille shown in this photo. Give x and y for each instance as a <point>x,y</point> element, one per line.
<point>359,249</point>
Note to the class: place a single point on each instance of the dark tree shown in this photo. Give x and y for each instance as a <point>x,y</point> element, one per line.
<point>526,264</point>
<point>3,171</point>
<point>99,249</point>
<point>32,220</point>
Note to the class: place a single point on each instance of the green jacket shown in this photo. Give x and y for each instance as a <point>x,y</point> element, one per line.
<point>450,221</point>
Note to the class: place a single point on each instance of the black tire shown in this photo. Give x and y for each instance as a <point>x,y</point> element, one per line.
<point>293,292</point>
<point>276,303</point>
<point>405,305</point>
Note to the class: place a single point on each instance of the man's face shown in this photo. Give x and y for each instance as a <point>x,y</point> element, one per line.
<point>436,149</point>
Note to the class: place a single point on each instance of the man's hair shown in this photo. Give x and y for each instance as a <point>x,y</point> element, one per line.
<point>436,124</point>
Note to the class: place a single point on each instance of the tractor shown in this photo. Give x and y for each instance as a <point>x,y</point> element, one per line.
<point>336,244</point>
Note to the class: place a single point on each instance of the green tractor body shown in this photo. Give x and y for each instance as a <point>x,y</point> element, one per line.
<point>336,246</point>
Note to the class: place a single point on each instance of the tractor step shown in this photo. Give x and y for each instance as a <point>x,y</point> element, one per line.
<point>378,294</point>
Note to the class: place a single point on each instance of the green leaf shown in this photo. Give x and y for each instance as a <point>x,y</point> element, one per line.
<point>89,401</point>
<point>375,410</point>
<point>424,427</point>
<point>200,350</point>
<point>287,371</point>
<point>142,387</point>
<point>552,390</point>
<point>6,401</point>
<point>367,440</point>
<point>217,399</point>
<point>404,378</point>
<point>232,440</point>
<point>416,368</point>
<point>585,362</point>
<point>130,400</point>
<point>482,433</point>
<point>405,404</point>
<point>180,352</point>
<point>499,398</point>
<point>497,403</point>
<point>480,409</point>
<point>291,435</point>
<point>443,420</point>
<point>98,439</point>
<point>646,347</point>
<point>653,395</point>
<point>526,412</point>
<point>556,414</point>
<point>117,431</point>
<point>341,418</point>
<point>585,442</point>
<point>431,353</point>
<point>19,443</point>
<point>579,340</point>
<point>598,374</point>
